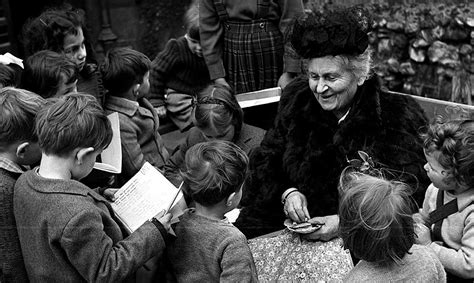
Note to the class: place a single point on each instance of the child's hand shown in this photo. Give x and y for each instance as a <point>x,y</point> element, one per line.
<point>423,233</point>
<point>161,111</point>
<point>109,194</point>
<point>165,219</point>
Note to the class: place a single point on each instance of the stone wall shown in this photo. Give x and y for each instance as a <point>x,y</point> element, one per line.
<point>426,49</point>
<point>421,48</point>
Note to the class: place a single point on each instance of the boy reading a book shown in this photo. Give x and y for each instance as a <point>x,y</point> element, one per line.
<point>208,248</point>
<point>125,75</point>
<point>18,147</point>
<point>67,231</point>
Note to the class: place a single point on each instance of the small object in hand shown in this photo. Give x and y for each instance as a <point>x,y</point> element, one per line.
<point>303,227</point>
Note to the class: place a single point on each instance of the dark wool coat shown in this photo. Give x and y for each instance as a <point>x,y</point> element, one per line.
<point>307,149</point>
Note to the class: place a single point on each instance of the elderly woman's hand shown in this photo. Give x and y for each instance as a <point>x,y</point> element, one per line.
<point>327,231</point>
<point>296,207</point>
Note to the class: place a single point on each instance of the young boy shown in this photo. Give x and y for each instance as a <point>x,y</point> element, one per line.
<point>18,147</point>
<point>208,248</point>
<point>67,231</point>
<point>49,74</point>
<point>446,222</point>
<point>178,73</point>
<point>125,74</point>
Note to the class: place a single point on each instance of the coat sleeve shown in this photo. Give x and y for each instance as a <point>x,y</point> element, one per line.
<point>289,10</point>
<point>211,33</point>
<point>132,156</point>
<point>459,262</point>
<point>94,255</point>
<point>161,69</point>
<point>237,262</point>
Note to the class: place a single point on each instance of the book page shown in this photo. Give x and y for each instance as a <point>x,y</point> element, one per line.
<point>145,195</point>
<point>112,156</point>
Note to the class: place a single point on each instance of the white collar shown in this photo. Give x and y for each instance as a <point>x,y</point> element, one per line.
<point>343,117</point>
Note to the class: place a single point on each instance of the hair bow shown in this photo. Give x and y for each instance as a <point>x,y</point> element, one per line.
<point>8,58</point>
<point>364,165</point>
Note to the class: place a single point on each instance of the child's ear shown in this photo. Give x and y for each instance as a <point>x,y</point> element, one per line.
<point>135,91</point>
<point>82,153</point>
<point>230,199</point>
<point>22,149</point>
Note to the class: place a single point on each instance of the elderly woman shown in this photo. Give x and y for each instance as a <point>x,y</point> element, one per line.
<point>323,121</point>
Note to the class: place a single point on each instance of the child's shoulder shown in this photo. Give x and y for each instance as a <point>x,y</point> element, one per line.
<point>175,45</point>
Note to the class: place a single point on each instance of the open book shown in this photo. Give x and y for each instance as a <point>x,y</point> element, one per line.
<point>144,196</point>
<point>111,157</point>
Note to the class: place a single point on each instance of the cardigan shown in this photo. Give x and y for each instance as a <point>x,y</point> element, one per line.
<point>457,230</point>
<point>307,149</point>
<point>420,264</point>
<point>68,233</point>
<point>211,29</point>
<point>177,68</point>
<point>12,268</point>
<point>209,250</point>
<point>139,135</point>
<point>249,138</point>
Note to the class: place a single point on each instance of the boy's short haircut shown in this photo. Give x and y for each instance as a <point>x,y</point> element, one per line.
<point>375,217</point>
<point>453,142</point>
<point>45,71</point>
<point>191,20</point>
<point>18,108</point>
<point>122,68</point>
<point>8,75</point>
<point>75,120</point>
<point>214,170</point>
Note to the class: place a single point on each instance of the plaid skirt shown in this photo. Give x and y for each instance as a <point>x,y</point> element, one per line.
<point>253,55</point>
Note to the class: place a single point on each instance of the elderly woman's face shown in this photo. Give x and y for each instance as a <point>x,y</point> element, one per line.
<point>333,85</point>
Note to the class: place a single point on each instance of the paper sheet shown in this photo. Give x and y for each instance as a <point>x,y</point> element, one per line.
<point>144,196</point>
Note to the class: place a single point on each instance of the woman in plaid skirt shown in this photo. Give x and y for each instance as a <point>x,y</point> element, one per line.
<point>243,44</point>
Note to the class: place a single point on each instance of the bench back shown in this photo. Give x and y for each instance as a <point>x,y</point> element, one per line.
<point>435,107</point>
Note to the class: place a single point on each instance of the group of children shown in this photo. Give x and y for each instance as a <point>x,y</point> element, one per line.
<point>55,228</point>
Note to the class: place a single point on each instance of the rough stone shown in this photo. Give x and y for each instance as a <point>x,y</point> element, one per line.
<point>406,68</point>
<point>417,55</point>
<point>444,54</point>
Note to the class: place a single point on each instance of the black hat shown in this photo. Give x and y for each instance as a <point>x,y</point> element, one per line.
<point>332,32</point>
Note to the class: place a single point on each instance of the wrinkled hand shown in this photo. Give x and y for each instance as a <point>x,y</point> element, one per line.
<point>109,194</point>
<point>285,79</point>
<point>296,207</point>
<point>165,219</point>
<point>423,233</point>
<point>327,231</point>
<point>161,111</point>
<point>221,81</point>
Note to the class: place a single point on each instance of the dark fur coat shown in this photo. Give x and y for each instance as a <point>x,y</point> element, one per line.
<point>308,149</point>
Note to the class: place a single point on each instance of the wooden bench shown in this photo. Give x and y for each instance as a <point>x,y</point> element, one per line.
<point>435,107</point>
<point>263,104</point>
